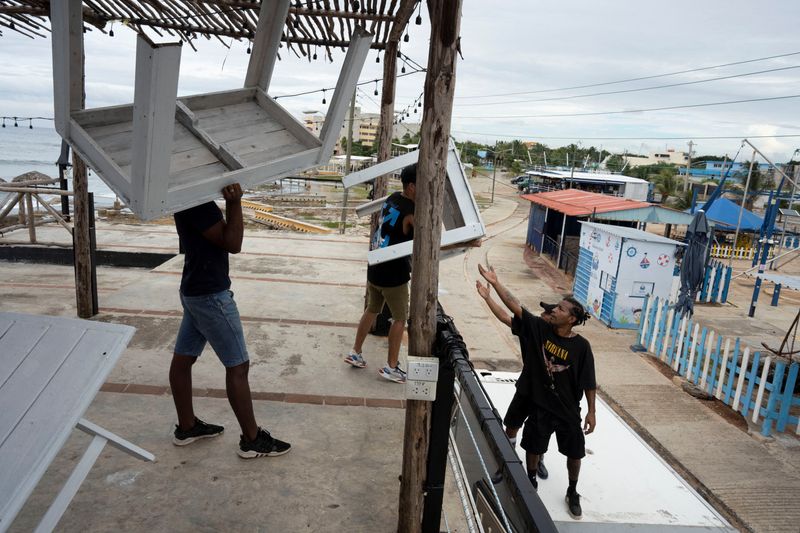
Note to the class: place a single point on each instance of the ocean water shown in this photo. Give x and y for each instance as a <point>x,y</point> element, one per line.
<point>23,149</point>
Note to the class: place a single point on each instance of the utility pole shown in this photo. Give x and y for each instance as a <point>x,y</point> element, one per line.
<point>688,168</point>
<point>494,170</point>
<point>348,153</point>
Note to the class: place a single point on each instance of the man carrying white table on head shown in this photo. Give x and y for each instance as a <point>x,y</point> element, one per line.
<point>210,315</point>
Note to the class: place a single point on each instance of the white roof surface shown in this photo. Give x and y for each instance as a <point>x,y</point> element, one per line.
<point>585,176</point>
<point>624,484</point>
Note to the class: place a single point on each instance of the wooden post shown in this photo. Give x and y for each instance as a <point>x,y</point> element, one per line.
<point>68,82</point>
<point>80,238</point>
<point>31,218</point>
<point>386,129</point>
<point>440,80</point>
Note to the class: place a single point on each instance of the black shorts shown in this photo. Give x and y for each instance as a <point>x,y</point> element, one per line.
<point>540,426</point>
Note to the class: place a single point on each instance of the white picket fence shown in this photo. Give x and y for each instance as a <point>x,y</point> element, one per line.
<point>759,387</point>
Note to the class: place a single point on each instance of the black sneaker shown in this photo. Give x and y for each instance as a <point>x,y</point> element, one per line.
<point>264,445</point>
<point>200,430</point>
<point>574,504</point>
<point>542,470</point>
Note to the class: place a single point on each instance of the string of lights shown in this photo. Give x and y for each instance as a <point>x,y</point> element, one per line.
<point>17,120</point>
<point>324,90</point>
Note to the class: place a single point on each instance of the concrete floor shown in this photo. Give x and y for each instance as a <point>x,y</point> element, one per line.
<point>300,297</point>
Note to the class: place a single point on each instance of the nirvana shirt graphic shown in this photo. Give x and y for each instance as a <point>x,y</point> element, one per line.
<point>556,370</point>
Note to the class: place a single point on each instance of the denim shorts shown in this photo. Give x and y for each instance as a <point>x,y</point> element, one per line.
<point>212,318</point>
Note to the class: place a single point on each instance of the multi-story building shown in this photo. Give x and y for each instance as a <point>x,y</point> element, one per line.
<point>669,157</point>
<point>365,127</point>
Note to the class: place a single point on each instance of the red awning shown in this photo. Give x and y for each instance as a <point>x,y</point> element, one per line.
<point>574,202</point>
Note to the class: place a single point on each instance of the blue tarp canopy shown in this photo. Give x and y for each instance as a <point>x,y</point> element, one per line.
<point>725,213</point>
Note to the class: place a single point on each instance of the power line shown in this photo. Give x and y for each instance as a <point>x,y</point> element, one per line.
<point>634,79</point>
<point>621,91</point>
<point>666,108</point>
<point>574,137</point>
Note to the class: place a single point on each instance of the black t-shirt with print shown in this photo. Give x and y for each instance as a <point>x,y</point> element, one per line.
<point>556,370</point>
<point>205,266</point>
<point>390,231</point>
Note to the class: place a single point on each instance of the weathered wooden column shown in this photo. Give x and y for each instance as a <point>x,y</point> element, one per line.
<point>68,67</point>
<point>440,81</point>
<point>386,128</point>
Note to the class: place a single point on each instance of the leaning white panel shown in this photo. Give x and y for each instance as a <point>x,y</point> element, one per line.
<point>461,218</point>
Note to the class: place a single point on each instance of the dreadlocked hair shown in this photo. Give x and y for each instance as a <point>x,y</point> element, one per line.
<point>578,311</point>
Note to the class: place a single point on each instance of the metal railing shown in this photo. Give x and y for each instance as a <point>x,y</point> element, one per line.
<point>467,430</point>
<point>567,261</point>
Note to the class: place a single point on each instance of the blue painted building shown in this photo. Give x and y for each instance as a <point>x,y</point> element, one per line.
<point>714,169</point>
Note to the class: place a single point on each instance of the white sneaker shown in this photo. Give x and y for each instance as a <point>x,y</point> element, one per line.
<point>355,359</point>
<point>395,374</point>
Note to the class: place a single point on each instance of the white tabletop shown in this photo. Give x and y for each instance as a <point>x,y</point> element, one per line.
<point>50,371</point>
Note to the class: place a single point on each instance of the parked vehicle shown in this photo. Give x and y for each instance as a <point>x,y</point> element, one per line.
<point>519,178</point>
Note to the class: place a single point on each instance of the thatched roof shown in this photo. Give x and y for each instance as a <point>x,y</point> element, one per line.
<point>327,24</point>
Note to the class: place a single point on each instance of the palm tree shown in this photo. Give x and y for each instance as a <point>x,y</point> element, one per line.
<point>666,184</point>
<point>683,201</point>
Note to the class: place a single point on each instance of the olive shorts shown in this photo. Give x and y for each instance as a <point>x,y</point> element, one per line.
<point>395,297</point>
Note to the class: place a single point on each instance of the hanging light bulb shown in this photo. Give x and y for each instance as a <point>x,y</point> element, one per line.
<point>403,69</point>
<point>406,38</point>
<point>418,22</point>
<point>111,31</point>
<point>378,58</point>
<point>419,104</point>
<point>4,122</point>
<point>399,54</point>
<point>415,110</point>
<point>15,122</point>
<point>30,123</point>
<point>315,53</point>
<point>323,97</point>
<point>376,87</point>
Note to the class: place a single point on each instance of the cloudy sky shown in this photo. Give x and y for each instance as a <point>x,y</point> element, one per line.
<point>521,58</point>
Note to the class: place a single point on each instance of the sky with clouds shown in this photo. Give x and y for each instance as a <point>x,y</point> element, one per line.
<point>519,56</point>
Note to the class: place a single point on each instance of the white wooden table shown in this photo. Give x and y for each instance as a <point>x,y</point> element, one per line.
<point>50,371</point>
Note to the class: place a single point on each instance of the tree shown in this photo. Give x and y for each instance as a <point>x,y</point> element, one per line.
<point>684,200</point>
<point>615,163</point>
<point>666,184</point>
<point>759,182</point>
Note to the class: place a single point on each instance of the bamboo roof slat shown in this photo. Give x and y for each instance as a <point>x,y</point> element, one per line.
<point>310,24</point>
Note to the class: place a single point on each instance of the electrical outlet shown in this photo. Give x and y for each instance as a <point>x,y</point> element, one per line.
<point>423,368</point>
<point>420,390</point>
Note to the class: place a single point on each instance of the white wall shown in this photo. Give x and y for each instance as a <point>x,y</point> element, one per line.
<point>634,281</point>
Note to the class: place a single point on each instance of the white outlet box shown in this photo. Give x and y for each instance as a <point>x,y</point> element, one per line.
<point>420,390</point>
<point>423,368</point>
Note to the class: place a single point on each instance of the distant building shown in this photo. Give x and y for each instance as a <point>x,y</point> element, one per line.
<point>669,157</point>
<point>365,127</point>
<point>596,182</point>
<point>714,169</point>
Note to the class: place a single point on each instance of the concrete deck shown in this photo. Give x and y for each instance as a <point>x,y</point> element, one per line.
<point>300,297</point>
